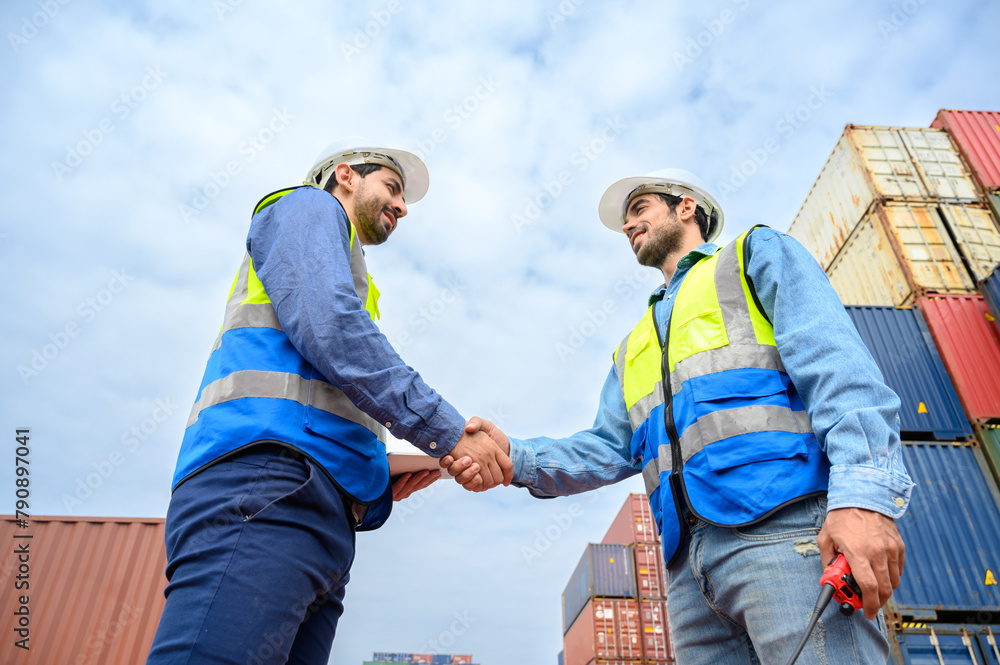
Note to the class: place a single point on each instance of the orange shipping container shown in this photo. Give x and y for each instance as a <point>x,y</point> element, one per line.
<point>651,579</point>
<point>96,588</point>
<point>607,629</point>
<point>656,643</point>
<point>633,523</point>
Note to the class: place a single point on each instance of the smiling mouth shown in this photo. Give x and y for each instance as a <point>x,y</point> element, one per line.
<point>634,236</point>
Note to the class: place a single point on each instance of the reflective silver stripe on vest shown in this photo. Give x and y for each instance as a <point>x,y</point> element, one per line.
<point>721,425</point>
<point>279,385</point>
<point>651,474</point>
<point>641,409</point>
<point>755,356</point>
<point>733,299</point>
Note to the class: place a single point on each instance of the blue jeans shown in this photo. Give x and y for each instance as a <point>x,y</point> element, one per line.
<point>259,549</point>
<point>744,596</point>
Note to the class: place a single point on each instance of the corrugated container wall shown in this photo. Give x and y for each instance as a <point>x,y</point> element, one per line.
<point>977,136</point>
<point>944,644</point>
<point>650,573</point>
<point>441,659</point>
<point>559,659</point>
<point>634,523</point>
<point>989,439</point>
<point>603,570</point>
<point>902,346</point>
<point>989,288</point>
<point>901,250</point>
<point>969,344</point>
<point>870,164</point>
<point>608,628</point>
<point>952,533</point>
<point>461,659</point>
<point>96,588</point>
<point>656,643</point>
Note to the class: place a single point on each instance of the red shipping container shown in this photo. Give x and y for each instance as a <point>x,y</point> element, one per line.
<point>461,660</point>
<point>422,658</point>
<point>634,523</point>
<point>607,629</point>
<point>649,571</point>
<point>977,136</point>
<point>656,644</point>
<point>969,344</point>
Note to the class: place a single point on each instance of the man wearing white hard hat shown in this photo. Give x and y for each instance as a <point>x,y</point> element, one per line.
<point>283,457</point>
<point>762,428</point>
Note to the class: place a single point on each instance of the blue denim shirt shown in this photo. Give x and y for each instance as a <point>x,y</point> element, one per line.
<point>854,414</point>
<point>300,248</point>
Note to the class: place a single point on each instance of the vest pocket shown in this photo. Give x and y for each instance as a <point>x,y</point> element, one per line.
<point>321,420</point>
<point>753,448</point>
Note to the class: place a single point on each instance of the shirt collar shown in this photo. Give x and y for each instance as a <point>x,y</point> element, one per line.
<point>688,260</point>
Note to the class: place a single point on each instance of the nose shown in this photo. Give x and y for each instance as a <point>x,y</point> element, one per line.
<point>628,223</point>
<point>399,207</point>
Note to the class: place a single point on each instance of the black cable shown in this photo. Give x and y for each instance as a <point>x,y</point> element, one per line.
<point>824,599</point>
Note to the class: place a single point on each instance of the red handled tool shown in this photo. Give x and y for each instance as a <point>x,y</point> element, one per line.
<point>837,582</point>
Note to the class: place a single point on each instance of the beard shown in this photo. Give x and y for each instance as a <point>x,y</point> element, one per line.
<point>661,242</point>
<point>368,209</point>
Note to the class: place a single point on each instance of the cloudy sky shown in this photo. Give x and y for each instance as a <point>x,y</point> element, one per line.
<point>137,139</point>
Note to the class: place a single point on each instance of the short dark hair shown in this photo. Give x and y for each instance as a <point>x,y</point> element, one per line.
<point>699,213</point>
<point>362,170</point>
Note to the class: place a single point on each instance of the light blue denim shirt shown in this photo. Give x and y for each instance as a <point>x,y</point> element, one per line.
<point>854,414</point>
<point>300,248</point>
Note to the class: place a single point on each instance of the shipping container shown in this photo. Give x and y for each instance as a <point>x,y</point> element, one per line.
<point>989,288</point>
<point>96,588</point>
<point>634,523</point>
<point>392,657</point>
<point>441,659</point>
<point>993,200</point>
<point>902,346</point>
<point>989,440</point>
<point>650,571</point>
<point>899,251</point>
<point>656,644</point>
<point>976,134</point>
<point>422,658</point>
<point>952,534</point>
<point>607,628</point>
<point>872,164</point>
<point>944,644</point>
<point>969,344</point>
<point>461,659</point>
<point>605,570</point>
<point>560,659</point>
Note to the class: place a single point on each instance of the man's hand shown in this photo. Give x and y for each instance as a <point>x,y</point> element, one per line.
<point>870,541</point>
<point>408,483</point>
<point>466,473</point>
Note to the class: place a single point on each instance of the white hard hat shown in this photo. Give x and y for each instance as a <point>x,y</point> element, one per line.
<point>354,150</point>
<point>676,182</point>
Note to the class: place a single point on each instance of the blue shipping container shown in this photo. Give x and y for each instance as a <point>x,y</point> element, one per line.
<point>951,531</point>
<point>560,658</point>
<point>990,288</point>
<point>605,570</point>
<point>903,349</point>
<point>392,657</point>
<point>913,644</point>
<point>439,659</point>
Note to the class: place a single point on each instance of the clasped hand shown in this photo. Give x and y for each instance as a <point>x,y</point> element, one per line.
<point>481,458</point>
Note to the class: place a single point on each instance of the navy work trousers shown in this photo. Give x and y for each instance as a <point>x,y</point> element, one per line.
<point>259,549</point>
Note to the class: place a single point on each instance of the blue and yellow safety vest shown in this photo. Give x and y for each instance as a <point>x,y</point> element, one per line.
<point>258,388</point>
<point>716,420</point>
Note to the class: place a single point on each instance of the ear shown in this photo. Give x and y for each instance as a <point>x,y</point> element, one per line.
<point>344,175</point>
<point>686,209</point>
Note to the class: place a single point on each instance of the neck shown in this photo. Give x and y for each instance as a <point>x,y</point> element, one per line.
<point>669,267</point>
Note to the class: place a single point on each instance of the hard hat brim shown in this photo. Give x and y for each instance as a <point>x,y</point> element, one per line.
<point>612,204</point>
<point>416,179</point>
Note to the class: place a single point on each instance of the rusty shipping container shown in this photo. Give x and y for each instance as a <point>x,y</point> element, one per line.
<point>607,629</point>
<point>96,588</point>
<point>634,523</point>
<point>873,164</point>
<point>976,134</point>
<point>969,344</point>
<point>656,644</point>
<point>650,571</point>
<point>902,250</point>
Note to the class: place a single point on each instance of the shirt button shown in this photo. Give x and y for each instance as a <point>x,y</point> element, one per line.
<point>692,520</point>
<point>899,501</point>
<point>388,425</point>
<point>433,445</point>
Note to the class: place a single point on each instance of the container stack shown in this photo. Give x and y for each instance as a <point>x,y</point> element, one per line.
<point>383,657</point>
<point>614,606</point>
<point>903,222</point>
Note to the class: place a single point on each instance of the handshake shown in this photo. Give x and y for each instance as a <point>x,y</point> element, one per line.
<point>481,458</point>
